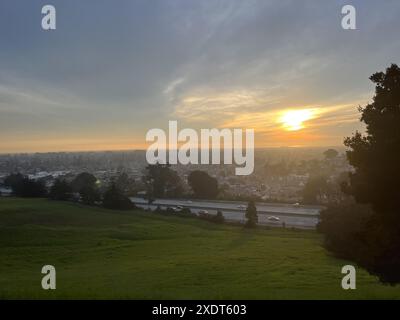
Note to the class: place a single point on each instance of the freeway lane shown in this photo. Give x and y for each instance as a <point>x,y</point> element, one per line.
<point>292,216</point>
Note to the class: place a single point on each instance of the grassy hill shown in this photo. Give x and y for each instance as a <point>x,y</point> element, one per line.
<point>100,253</point>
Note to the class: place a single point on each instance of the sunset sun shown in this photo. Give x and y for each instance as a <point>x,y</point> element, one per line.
<point>293,120</point>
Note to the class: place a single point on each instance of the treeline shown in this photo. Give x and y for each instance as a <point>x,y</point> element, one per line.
<point>22,186</point>
<point>160,179</point>
<point>163,182</point>
<point>160,182</point>
<point>83,188</point>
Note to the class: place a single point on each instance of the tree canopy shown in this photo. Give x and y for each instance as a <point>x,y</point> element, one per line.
<point>82,181</point>
<point>162,181</point>
<point>375,157</point>
<point>376,154</point>
<point>251,215</point>
<point>61,190</point>
<point>203,185</point>
<point>331,154</point>
<point>114,198</point>
<point>22,186</point>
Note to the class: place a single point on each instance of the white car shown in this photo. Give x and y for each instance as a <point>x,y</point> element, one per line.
<point>241,206</point>
<point>273,218</point>
<point>203,212</point>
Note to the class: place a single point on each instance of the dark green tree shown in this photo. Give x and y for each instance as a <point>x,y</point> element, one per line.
<point>162,181</point>
<point>251,215</point>
<point>90,194</point>
<point>125,183</point>
<point>219,218</point>
<point>203,185</point>
<point>22,186</point>
<point>114,198</point>
<point>61,190</point>
<point>83,180</point>
<point>375,156</point>
<point>86,185</point>
<point>13,179</point>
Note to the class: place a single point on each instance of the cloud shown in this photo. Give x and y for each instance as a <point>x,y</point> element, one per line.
<point>218,107</point>
<point>128,67</point>
<point>170,88</point>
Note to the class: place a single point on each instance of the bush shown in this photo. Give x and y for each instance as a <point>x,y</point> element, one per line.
<point>218,218</point>
<point>357,233</point>
<point>343,227</point>
<point>184,213</point>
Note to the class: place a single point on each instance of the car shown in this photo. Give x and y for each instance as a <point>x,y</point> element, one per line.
<point>203,212</point>
<point>273,218</point>
<point>179,207</point>
<point>241,206</point>
<point>296,204</point>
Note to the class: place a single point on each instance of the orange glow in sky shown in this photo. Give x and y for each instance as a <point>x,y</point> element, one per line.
<point>293,120</point>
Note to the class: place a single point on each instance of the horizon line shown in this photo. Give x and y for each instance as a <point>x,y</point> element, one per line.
<point>144,150</point>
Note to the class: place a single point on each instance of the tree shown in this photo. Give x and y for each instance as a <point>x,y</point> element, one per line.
<point>83,180</point>
<point>375,156</point>
<point>314,189</point>
<point>162,181</point>
<point>114,198</point>
<point>22,186</point>
<point>60,190</point>
<point>331,154</point>
<point>173,188</point>
<point>86,184</point>
<point>219,218</point>
<point>89,194</point>
<point>125,183</point>
<point>251,215</point>
<point>344,228</point>
<point>203,185</point>
<point>13,179</point>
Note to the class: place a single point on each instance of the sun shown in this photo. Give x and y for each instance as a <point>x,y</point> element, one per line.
<point>293,120</point>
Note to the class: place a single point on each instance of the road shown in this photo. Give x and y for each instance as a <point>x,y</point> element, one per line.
<point>297,216</point>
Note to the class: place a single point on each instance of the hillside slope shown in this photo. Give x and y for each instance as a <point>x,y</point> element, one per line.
<point>100,253</point>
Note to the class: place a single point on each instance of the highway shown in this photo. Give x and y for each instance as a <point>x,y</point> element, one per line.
<point>297,216</point>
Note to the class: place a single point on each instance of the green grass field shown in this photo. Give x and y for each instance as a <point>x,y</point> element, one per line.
<point>107,254</point>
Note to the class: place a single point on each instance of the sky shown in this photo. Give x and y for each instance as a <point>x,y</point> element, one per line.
<point>112,70</point>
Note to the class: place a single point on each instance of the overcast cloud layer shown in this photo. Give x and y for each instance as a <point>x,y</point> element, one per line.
<point>114,69</point>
